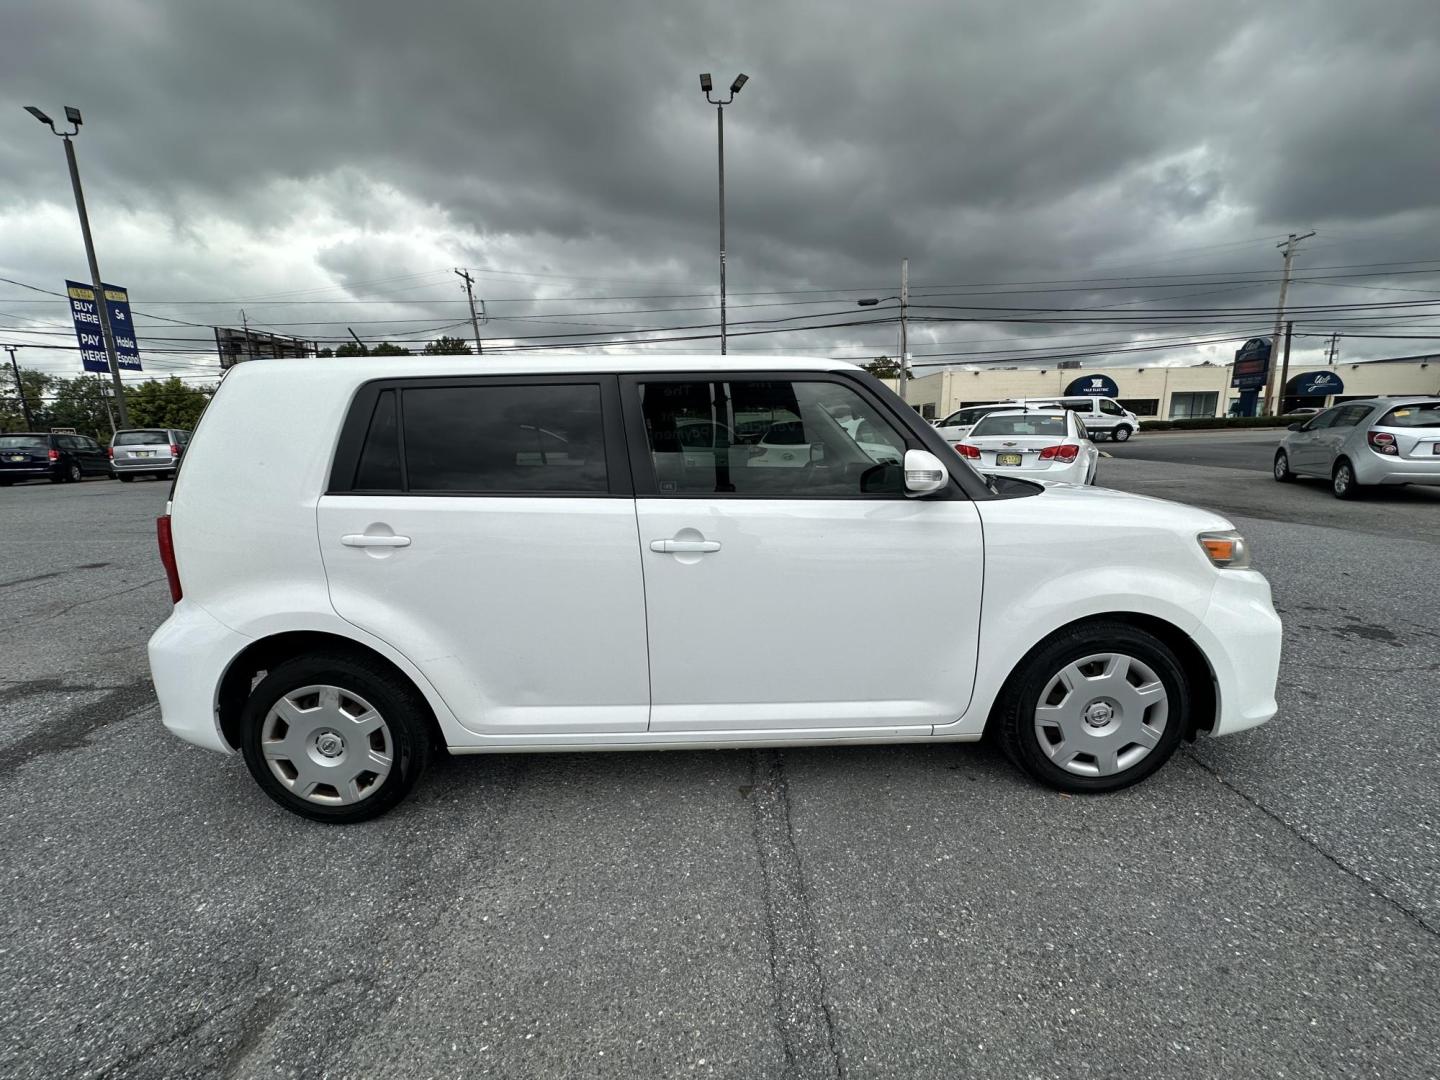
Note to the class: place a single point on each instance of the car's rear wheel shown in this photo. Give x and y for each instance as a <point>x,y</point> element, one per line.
<point>1342,481</point>
<point>1094,709</point>
<point>125,479</point>
<point>1282,467</point>
<point>73,475</point>
<point>1121,433</point>
<point>334,740</point>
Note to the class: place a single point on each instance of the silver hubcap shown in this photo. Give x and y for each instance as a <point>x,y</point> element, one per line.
<point>327,745</point>
<point>1342,478</point>
<point>1101,715</point>
<point>1282,465</point>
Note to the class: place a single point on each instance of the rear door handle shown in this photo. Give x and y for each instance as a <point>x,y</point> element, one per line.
<point>673,547</point>
<point>365,540</point>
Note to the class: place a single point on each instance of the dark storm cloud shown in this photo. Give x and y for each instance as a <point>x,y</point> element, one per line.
<point>986,141</point>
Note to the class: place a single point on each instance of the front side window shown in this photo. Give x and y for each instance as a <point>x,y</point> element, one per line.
<point>545,438</point>
<point>771,437</point>
<point>1322,420</point>
<point>1110,408</point>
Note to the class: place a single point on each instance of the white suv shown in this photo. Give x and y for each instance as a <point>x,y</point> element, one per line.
<point>515,554</point>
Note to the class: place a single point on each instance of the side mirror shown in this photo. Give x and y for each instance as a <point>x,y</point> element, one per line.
<point>924,473</point>
<point>1297,427</point>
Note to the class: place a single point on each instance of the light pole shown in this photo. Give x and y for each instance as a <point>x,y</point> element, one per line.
<point>904,298</point>
<point>72,115</point>
<point>707,86</point>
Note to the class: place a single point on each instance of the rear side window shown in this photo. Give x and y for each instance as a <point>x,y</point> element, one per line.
<point>379,468</point>
<point>1425,414</point>
<point>141,438</point>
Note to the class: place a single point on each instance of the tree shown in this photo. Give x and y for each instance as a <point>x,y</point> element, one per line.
<point>171,403</point>
<point>78,403</point>
<point>350,348</point>
<point>883,367</point>
<point>386,349</point>
<point>326,352</point>
<point>447,346</point>
<point>37,391</point>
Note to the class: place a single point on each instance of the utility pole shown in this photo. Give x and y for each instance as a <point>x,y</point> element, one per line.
<point>20,389</point>
<point>1333,352</point>
<point>904,335</point>
<point>72,115</point>
<point>474,319</point>
<point>1285,370</point>
<point>1288,245</point>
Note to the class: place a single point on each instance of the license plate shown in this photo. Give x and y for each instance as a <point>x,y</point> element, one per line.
<point>16,457</point>
<point>1007,459</point>
<point>144,453</point>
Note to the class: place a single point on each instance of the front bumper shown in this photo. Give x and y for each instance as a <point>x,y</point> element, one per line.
<point>189,655</point>
<point>1240,636</point>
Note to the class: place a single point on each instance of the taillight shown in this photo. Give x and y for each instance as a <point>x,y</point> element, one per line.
<point>109,451</point>
<point>174,449</point>
<point>54,455</point>
<point>167,556</point>
<point>1069,452</point>
<point>968,451</point>
<point>1382,442</point>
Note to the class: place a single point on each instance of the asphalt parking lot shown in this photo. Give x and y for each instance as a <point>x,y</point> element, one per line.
<point>1267,905</point>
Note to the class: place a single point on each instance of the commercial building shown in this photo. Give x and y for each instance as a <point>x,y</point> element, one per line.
<point>1171,392</point>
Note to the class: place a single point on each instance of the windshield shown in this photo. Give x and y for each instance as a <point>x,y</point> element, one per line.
<point>141,438</point>
<point>23,442</point>
<point>1020,424</point>
<point>1424,414</point>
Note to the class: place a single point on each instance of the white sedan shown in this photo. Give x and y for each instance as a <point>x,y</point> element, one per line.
<point>1038,444</point>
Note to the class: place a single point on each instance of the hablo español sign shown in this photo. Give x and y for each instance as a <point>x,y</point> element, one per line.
<point>88,331</point>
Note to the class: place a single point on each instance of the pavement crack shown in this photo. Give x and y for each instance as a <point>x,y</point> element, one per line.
<point>1373,888</point>
<point>89,600</point>
<point>75,728</point>
<point>801,1015</point>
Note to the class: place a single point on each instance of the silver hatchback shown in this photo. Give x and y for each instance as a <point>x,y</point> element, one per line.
<point>147,452</point>
<point>1364,444</point>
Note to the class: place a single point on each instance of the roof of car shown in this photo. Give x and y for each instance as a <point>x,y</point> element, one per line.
<point>550,363</point>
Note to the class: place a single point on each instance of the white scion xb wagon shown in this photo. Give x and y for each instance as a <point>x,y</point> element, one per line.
<point>376,559</point>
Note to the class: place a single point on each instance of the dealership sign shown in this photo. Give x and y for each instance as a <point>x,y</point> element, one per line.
<point>1316,384</point>
<point>1093,386</point>
<point>1252,364</point>
<point>88,332</point>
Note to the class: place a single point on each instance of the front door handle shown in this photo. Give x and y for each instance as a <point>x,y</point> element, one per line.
<point>675,547</point>
<point>365,540</point>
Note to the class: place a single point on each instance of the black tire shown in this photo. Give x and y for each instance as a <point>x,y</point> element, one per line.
<point>1013,719</point>
<point>396,700</point>
<point>125,479</point>
<point>73,473</point>
<point>1281,470</point>
<point>1343,484</point>
<point>6,483</point>
<point>1121,433</point>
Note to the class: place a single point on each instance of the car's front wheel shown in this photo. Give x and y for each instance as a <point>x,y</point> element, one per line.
<point>1282,467</point>
<point>1094,709</point>
<point>1121,433</point>
<point>1343,482</point>
<point>334,740</point>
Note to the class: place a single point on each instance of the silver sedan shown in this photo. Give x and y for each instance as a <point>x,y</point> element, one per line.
<point>1363,444</point>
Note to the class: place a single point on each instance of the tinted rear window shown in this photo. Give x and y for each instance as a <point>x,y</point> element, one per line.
<point>1030,424</point>
<point>379,468</point>
<point>515,439</point>
<point>24,442</point>
<point>141,438</point>
<point>1424,414</point>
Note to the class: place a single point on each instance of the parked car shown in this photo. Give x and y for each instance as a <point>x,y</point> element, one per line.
<point>958,424</point>
<point>409,577</point>
<point>147,452</point>
<point>1101,415</point>
<point>50,456</point>
<point>1363,444</point>
<point>1040,444</point>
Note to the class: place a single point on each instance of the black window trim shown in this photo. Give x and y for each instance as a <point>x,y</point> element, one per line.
<point>356,425</point>
<point>918,434</point>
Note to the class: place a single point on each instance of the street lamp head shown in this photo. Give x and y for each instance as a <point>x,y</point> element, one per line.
<point>33,111</point>
<point>705,84</point>
<point>740,80</point>
<point>72,114</point>
<point>869,301</point>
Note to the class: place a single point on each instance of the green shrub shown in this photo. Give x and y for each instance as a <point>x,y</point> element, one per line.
<point>1212,422</point>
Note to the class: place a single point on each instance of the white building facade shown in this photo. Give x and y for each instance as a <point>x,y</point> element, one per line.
<point>1166,393</point>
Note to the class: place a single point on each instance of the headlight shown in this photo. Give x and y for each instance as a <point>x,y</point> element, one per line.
<point>1227,550</point>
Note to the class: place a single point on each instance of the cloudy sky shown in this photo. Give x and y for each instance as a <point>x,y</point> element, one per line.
<point>1097,179</point>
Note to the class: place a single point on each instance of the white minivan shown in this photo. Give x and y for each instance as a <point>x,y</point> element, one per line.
<point>1101,415</point>
<point>515,554</point>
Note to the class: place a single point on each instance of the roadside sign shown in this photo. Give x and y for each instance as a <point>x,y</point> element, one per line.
<point>88,332</point>
<point>1252,365</point>
<point>62,431</point>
